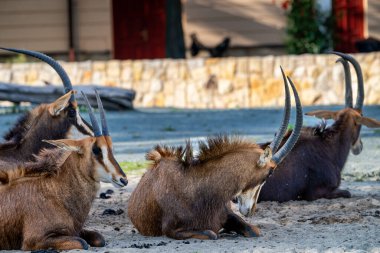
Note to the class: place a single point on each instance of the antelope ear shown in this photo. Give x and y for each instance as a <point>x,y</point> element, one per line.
<point>322,114</point>
<point>61,103</point>
<point>66,144</point>
<point>265,157</point>
<point>368,122</point>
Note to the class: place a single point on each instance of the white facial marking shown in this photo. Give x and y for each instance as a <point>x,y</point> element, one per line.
<point>112,170</point>
<point>101,173</point>
<point>75,134</point>
<point>82,124</point>
<point>357,148</point>
<point>248,200</point>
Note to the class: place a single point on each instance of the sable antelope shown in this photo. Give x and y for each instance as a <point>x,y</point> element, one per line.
<point>312,170</point>
<point>184,196</point>
<point>49,211</point>
<point>57,120</point>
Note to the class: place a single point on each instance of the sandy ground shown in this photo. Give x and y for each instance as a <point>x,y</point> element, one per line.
<point>340,225</point>
<point>351,225</point>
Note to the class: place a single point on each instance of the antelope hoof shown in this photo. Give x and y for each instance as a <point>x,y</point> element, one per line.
<point>345,194</point>
<point>210,234</point>
<point>93,238</point>
<point>58,243</point>
<point>251,231</point>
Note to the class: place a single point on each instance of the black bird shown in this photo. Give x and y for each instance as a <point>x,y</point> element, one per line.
<point>217,51</point>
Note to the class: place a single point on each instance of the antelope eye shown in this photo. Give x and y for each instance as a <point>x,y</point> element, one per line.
<point>96,150</point>
<point>72,112</point>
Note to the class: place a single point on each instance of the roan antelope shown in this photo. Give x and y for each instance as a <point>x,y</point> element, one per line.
<point>184,196</point>
<point>312,170</point>
<point>49,210</point>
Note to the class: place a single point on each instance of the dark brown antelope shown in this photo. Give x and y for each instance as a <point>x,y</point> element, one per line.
<point>46,202</point>
<point>182,196</point>
<point>312,170</point>
<point>58,120</point>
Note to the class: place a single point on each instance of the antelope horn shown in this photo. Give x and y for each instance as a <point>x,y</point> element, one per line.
<point>285,121</point>
<point>102,115</point>
<point>94,122</point>
<point>359,74</point>
<point>287,147</point>
<point>53,63</point>
<point>347,78</point>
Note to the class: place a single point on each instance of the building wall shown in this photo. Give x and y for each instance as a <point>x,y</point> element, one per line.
<point>94,25</point>
<point>248,23</point>
<point>240,82</point>
<point>373,18</point>
<point>34,24</point>
<point>42,25</point>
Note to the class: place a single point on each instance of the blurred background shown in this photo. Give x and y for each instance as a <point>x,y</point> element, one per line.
<point>228,52</point>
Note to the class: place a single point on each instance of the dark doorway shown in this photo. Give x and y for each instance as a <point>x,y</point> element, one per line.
<point>139,29</point>
<point>349,24</point>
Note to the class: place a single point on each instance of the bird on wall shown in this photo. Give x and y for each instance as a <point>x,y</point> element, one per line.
<point>217,51</point>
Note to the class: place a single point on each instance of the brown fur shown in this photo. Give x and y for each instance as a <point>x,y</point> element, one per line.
<point>47,121</point>
<point>188,197</point>
<point>24,139</point>
<point>49,211</point>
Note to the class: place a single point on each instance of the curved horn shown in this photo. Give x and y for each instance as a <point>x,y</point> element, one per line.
<point>359,74</point>
<point>53,63</point>
<point>348,83</point>
<point>287,147</point>
<point>102,115</point>
<point>285,121</point>
<point>94,122</point>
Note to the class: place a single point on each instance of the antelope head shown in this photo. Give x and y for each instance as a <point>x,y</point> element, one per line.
<point>97,150</point>
<point>351,116</point>
<point>65,107</point>
<point>270,157</point>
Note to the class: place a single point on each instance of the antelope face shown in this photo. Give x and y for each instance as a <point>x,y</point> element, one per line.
<point>107,169</point>
<point>356,144</point>
<point>79,127</point>
<point>247,200</point>
<point>66,112</point>
<point>350,116</point>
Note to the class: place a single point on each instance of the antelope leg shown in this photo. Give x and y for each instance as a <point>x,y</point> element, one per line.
<point>237,224</point>
<point>203,235</point>
<point>338,193</point>
<point>93,238</point>
<point>56,242</point>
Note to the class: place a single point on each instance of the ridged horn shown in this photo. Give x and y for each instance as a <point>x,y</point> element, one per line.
<point>359,74</point>
<point>287,147</point>
<point>348,83</point>
<point>53,63</point>
<point>94,122</point>
<point>102,115</point>
<point>285,121</point>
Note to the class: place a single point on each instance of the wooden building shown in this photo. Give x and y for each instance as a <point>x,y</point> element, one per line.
<point>129,29</point>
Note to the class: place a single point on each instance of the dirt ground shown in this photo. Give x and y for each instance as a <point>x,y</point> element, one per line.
<point>340,225</point>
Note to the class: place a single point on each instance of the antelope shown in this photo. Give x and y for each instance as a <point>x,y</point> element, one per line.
<point>184,196</point>
<point>312,170</point>
<point>46,201</point>
<point>57,120</point>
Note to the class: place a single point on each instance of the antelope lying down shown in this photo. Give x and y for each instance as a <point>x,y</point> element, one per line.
<point>182,196</point>
<point>49,211</point>
<point>57,120</point>
<point>313,168</point>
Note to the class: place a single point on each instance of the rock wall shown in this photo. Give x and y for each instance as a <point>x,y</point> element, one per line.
<point>213,83</point>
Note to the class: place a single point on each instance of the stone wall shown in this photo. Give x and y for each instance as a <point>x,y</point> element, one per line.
<point>213,83</point>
